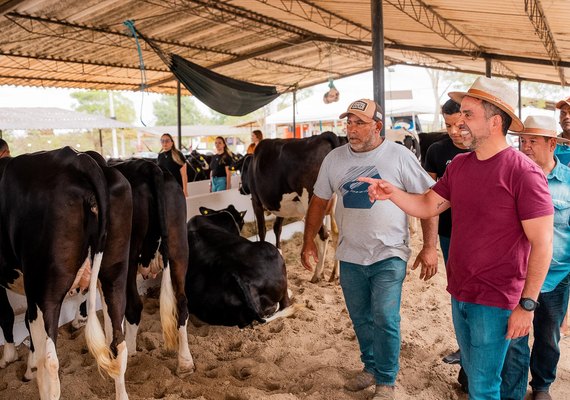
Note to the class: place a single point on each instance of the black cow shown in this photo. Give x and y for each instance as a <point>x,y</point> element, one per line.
<point>198,167</point>
<point>158,242</point>
<point>427,139</point>
<point>280,177</point>
<point>230,280</point>
<point>59,213</point>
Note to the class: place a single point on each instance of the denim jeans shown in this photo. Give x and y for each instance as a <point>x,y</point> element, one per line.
<point>372,294</point>
<point>481,332</point>
<point>219,183</point>
<point>545,350</point>
<point>444,244</point>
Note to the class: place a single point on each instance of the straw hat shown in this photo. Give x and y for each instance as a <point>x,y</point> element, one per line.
<point>495,92</point>
<point>365,109</point>
<point>541,125</point>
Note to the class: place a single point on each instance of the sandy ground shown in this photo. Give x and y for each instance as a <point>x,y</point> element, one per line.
<point>308,356</point>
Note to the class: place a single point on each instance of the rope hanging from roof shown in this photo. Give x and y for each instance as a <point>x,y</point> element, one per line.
<point>221,93</point>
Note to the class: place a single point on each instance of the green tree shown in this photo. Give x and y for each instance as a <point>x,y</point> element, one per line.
<point>98,102</point>
<point>165,111</point>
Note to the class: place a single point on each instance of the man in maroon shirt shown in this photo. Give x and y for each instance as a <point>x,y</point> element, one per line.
<point>501,242</point>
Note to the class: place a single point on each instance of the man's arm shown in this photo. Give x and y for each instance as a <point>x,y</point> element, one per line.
<point>539,232</point>
<point>427,257</point>
<point>313,222</point>
<point>426,205</point>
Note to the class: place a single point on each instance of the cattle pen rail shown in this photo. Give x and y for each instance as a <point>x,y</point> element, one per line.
<point>201,196</point>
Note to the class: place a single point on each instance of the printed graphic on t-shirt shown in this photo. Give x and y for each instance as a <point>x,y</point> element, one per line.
<point>355,193</point>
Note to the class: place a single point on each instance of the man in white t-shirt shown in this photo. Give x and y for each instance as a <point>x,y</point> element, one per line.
<point>373,240</point>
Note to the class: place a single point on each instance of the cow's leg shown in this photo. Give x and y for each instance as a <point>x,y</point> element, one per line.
<point>335,274</point>
<point>134,308</point>
<point>277,227</point>
<point>178,265</point>
<point>113,298</point>
<point>10,353</point>
<point>259,217</point>
<point>322,240</point>
<point>31,366</point>
<point>178,269</point>
<point>43,329</point>
<point>81,313</point>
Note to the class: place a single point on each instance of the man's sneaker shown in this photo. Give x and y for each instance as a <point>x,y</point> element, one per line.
<point>360,381</point>
<point>384,392</point>
<point>453,358</point>
<point>541,396</point>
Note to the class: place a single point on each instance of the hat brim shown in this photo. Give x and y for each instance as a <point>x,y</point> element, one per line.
<point>360,115</point>
<point>516,123</point>
<point>561,103</point>
<point>545,134</point>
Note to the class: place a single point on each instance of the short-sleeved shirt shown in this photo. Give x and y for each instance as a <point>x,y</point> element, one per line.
<point>559,186</point>
<point>562,151</point>
<point>488,255</point>
<point>219,164</point>
<point>438,156</point>
<point>370,232</point>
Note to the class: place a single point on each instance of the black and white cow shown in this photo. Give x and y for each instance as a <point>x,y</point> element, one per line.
<point>158,241</point>
<point>280,177</point>
<point>230,280</point>
<point>56,213</point>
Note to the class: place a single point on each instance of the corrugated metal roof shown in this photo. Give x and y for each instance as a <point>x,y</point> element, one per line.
<point>294,43</point>
<point>53,118</point>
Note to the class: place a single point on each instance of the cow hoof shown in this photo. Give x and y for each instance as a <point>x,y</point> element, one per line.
<point>10,355</point>
<point>184,371</point>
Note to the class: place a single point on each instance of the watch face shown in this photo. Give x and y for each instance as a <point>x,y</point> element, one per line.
<point>528,304</point>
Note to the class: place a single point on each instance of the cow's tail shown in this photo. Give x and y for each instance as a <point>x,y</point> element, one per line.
<point>168,303</point>
<point>286,312</point>
<point>94,335</point>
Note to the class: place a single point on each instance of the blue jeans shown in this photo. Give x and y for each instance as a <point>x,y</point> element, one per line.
<point>444,243</point>
<point>481,332</point>
<point>219,183</point>
<point>545,351</point>
<point>372,294</point>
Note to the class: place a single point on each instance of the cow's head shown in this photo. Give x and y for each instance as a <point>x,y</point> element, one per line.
<point>244,187</point>
<point>228,217</point>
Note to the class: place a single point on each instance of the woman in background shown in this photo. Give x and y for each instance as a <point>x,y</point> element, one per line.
<point>256,137</point>
<point>173,160</point>
<point>220,174</point>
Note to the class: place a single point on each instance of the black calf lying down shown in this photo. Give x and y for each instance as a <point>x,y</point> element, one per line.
<point>230,280</point>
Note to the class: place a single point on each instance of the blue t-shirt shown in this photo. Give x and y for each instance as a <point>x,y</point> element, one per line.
<point>562,151</point>
<point>559,187</point>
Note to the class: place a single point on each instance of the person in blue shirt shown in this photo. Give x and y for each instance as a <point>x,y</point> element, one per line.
<point>539,141</point>
<point>563,149</point>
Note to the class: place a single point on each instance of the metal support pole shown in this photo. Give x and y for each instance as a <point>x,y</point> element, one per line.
<point>519,81</point>
<point>488,62</point>
<point>294,112</point>
<point>179,114</point>
<point>378,55</point>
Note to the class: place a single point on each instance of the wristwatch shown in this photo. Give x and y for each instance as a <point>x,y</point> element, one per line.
<point>528,304</point>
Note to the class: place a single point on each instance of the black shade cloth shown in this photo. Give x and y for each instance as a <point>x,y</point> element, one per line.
<point>225,95</point>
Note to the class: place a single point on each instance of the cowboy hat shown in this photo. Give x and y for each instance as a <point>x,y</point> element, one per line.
<point>495,92</point>
<point>562,102</point>
<point>541,125</point>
